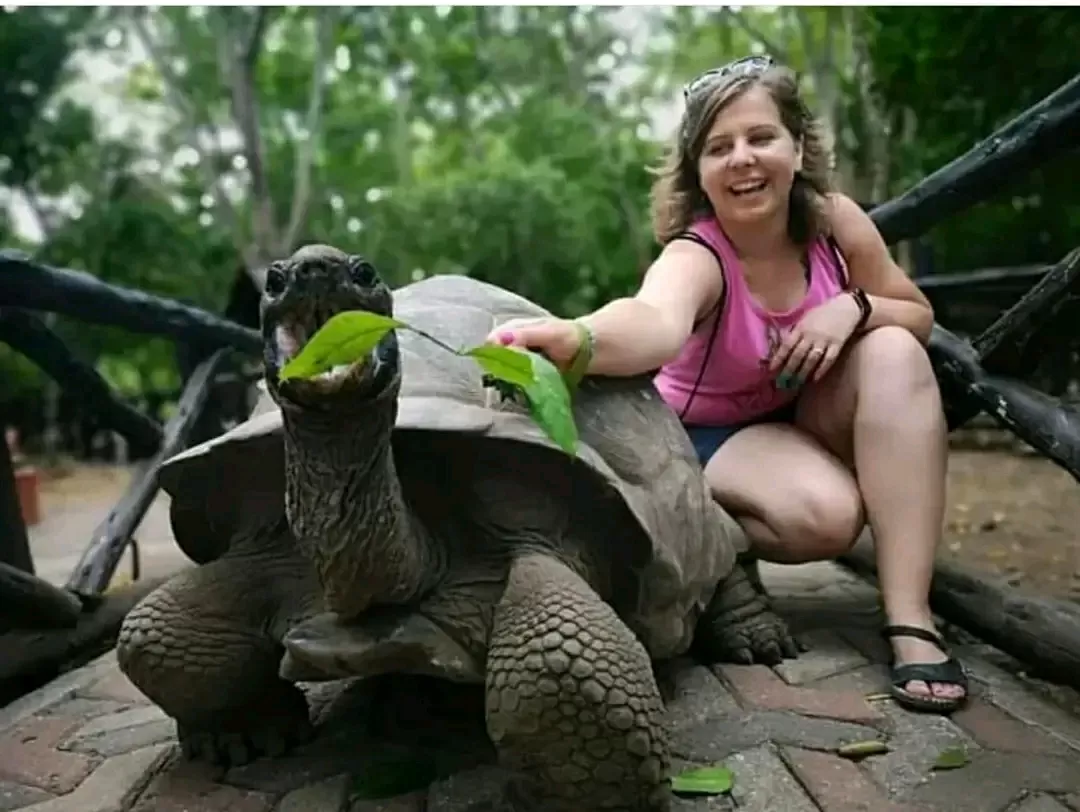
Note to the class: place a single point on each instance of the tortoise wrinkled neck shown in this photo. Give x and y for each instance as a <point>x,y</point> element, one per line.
<point>346,508</point>
<point>343,432</point>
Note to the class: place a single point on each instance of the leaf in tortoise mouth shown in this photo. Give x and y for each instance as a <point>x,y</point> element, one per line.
<point>351,335</point>
<point>346,337</point>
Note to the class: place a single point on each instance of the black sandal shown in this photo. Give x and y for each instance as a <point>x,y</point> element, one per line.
<point>949,672</point>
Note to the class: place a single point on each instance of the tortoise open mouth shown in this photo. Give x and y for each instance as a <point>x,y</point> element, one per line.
<point>290,332</point>
<point>301,295</point>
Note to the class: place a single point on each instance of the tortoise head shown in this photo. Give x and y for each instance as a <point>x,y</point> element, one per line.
<point>301,294</point>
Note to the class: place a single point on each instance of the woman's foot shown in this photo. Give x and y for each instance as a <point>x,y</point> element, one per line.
<point>924,676</point>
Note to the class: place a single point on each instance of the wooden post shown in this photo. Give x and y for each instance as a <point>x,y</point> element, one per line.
<point>14,542</point>
<point>98,563</point>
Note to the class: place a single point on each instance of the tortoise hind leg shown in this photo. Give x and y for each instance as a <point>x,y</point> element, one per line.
<point>197,647</point>
<point>572,705</point>
<point>739,625</point>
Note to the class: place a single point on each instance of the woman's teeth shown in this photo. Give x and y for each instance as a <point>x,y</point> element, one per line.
<point>747,187</point>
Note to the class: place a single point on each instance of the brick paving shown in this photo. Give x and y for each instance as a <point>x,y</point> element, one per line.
<point>90,742</point>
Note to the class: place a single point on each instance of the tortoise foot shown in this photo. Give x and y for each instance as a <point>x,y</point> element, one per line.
<point>740,626</point>
<point>764,639</point>
<point>271,729</point>
<point>193,648</point>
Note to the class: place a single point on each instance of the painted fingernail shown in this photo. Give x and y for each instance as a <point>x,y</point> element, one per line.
<point>506,337</point>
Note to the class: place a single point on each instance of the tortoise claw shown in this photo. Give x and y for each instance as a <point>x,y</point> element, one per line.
<point>233,748</point>
<point>273,728</point>
<point>763,639</point>
<point>739,625</point>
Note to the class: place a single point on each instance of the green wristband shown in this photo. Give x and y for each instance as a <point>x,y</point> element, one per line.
<point>579,364</point>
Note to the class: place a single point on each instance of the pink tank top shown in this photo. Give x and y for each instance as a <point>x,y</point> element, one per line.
<point>720,376</point>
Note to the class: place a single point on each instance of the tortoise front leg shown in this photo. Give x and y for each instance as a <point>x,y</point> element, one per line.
<point>740,626</point>
<point>572,705</point>
<point>199,647</point>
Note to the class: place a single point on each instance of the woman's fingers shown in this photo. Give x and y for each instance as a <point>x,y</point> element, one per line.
<point>832,352</point>
<point>517,333</point>
<point>783,350</point>
<point>555,338</point>
<point>789,372</point>
<point>811,361</point>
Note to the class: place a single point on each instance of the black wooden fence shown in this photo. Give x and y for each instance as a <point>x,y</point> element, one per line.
<point>985,374</point>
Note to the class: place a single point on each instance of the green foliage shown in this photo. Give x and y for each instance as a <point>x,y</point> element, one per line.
<point>508,143</point>
<point>35,44</point>
<point>949,69</point>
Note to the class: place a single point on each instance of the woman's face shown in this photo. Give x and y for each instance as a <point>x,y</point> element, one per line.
<point>749,160</point>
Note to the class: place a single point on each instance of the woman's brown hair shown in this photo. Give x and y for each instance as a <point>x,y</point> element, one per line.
<point>677,198</point>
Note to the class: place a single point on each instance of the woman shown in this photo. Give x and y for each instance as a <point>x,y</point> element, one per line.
<point>793,349</point>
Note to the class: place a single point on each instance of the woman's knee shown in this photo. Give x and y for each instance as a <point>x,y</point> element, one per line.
<point>820,524</point>
<point>892,355</point>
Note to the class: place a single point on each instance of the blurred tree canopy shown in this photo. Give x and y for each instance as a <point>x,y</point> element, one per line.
<point>951,75</point>
<point>171,148</point>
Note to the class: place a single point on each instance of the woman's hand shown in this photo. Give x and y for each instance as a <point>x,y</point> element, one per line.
<point>812,346</point>
<point>558,339</point>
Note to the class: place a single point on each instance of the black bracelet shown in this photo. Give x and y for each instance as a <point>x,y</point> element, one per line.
<point>865,308</point>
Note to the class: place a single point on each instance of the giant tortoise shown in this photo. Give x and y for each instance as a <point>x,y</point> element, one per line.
<point>396,515</point>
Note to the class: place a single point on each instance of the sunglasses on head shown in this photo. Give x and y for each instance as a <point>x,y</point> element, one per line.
<point>745,66</point>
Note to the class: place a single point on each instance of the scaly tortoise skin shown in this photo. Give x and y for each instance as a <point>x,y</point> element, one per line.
<point>429,527</point>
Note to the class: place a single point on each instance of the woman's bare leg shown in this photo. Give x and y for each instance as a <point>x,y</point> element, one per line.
<point>880,410</point>
<point>795,499</point>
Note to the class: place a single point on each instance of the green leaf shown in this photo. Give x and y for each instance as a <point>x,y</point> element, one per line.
<point>505,363</point>
<point>870,747</point>
<point>952,758</point>
<point>345,338</point>
<point>715,780</point>
<point>549,404</point>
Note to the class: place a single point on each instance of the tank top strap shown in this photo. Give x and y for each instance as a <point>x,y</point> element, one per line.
<point>834,258</point>
<point>706,232</point>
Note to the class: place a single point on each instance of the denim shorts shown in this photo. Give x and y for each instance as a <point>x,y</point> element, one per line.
<point>708,439</point>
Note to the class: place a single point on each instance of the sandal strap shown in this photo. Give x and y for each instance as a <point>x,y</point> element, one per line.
<point>948,672</point>
<point>926,635</point>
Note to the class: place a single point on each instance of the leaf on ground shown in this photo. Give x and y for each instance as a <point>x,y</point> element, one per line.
<point>871,747</point>
<point>952,758</point>
<point>715,780</point>
<point>346,337</point>
<point>505,363</point>
<point>877,697</point>
<point>549,404</point>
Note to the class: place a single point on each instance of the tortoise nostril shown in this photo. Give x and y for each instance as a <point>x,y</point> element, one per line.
<point>362,272</point>
<point>275,280</point>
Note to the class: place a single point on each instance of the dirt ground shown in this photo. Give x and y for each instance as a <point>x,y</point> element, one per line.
<point>1015,516</point>
<point>1008,514</point>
